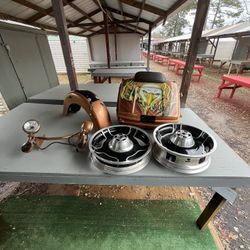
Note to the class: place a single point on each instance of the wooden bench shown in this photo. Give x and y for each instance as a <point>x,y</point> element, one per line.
<point>233,82</point>
<point>178,65</point>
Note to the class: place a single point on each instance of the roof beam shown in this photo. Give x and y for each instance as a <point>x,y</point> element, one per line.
<point>173,8</point>
<point>102,31</point>
<point>147,7</point>
<point>102,23</point>
<point>121,9</point>
<point>130,30</point>
<point>37,8</point>
<point>45,11</point>
<point>20,20</point>
<point>92,13</point>
<point>118,12</point>
<point>39,15</point>
<point>133,26</point>
<point>75,7</point>
<point>140,12</point>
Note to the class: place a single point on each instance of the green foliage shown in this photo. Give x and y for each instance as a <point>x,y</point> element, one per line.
<point>176,24</point>
<point>220,10</point>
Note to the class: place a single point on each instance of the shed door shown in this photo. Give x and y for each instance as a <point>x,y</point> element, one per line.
<point>25,55</point>
<point>9,85</point>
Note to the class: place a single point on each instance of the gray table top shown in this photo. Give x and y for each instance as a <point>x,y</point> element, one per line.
<point>116,72</point>
<point>239,62</point>
<point>204,56</point>
<point>61,164</point>
<point>106,92</point>
<point>116,62</point>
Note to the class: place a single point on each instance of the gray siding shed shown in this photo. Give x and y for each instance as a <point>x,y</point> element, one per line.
<point>26,64</point>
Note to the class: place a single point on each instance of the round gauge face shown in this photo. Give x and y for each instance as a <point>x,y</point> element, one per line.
<point>31,126</point>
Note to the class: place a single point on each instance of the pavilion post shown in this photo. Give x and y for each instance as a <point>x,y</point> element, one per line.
<point>106,31</point>
<point>200,18</point>
<point>115,38</point>
<point>105,17</point>
<point>61,24</point>
<point>90,49</point>
<point>149,45</point>
<point>215,49</point>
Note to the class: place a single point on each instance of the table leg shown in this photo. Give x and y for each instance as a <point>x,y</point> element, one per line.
<point>200,75</point>
<point>220,88</point>
<point>233,90</point>
<point>230,67</point>
<point>95,79</point>
<point>210,210</point>
<point>237,69</point>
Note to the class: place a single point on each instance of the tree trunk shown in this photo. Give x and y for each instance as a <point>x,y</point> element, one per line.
<point>218,6</point>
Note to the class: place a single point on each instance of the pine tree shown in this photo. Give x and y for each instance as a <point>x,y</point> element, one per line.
<point>220,10</point>
<point>176,24</point>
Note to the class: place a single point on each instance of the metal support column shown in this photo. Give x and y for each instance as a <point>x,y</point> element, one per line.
<point>61,24</point>
<point>200,17</point>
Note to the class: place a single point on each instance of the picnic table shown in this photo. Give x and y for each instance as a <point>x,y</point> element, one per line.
<point>202,57</point>
<point>103,74</point>
<point>151,55</point>
<point>233,82</point>
<point>239,64</point>
<point>91,70</point>
<point>161,59</point>
<point>178,65</point>
<point>61,164</point>
<point>101,64</point>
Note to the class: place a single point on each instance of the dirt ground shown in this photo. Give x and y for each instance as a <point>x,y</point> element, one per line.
<point>230,118</point>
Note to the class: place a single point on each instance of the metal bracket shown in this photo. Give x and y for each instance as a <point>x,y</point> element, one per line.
<point>227,193</point>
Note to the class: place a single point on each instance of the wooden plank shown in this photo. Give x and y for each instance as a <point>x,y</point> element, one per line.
<point>65,43</point>
<point>200,17</point>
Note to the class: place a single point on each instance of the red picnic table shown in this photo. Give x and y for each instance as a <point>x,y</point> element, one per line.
<point>233,82</point>
<point>179,65</point>
<point>151,55</point>
<point>161,59</point>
